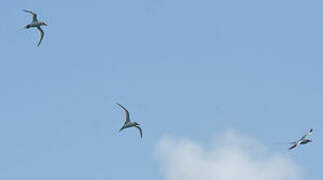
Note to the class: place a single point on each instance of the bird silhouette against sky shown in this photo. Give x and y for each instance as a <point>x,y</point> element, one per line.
<point>302,141</point>
<point>128,123</point>
<point>36,24</point>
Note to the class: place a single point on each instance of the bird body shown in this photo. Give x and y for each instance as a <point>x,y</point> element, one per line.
<point>305,141</point>
<point>36,24</point>
<point>128,123</point>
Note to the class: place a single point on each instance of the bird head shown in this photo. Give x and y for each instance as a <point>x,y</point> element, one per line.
<point>43,23</point>
<point>137,124</point>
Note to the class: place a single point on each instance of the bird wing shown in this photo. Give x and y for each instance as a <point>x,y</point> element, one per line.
<point>41,34</point>
<point>307,134</point>
<point>126,113</point>
<point>121,128</point>
<point>33,14</point>
<point>140,130</point>
<point>292,147</point>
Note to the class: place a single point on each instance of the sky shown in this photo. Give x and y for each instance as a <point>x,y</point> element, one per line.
<point>218,87</point>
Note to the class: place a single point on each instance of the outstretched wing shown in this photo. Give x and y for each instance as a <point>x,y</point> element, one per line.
<point>307,134</point>
<point>292,147</point>
<point>140,131</point>
<point>41,35</point>
<point>121,128</point>
<point>33,14</point>
<point>126,113</point>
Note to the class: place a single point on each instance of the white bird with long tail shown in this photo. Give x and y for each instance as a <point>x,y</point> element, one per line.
<point>302,141</point>
<point>36,24</point>
<point>128,123</point>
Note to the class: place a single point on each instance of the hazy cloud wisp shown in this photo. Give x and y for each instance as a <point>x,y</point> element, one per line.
<point>230,157</point>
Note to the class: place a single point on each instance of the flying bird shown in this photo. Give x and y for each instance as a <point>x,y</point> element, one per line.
<point>36,24</point>
<point>128,123</point>
<point>302,141</point>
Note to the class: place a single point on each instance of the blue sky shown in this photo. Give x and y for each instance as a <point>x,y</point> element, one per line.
<point>192,69</point>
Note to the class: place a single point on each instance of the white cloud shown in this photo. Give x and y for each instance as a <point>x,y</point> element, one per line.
<point>230,157</point>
